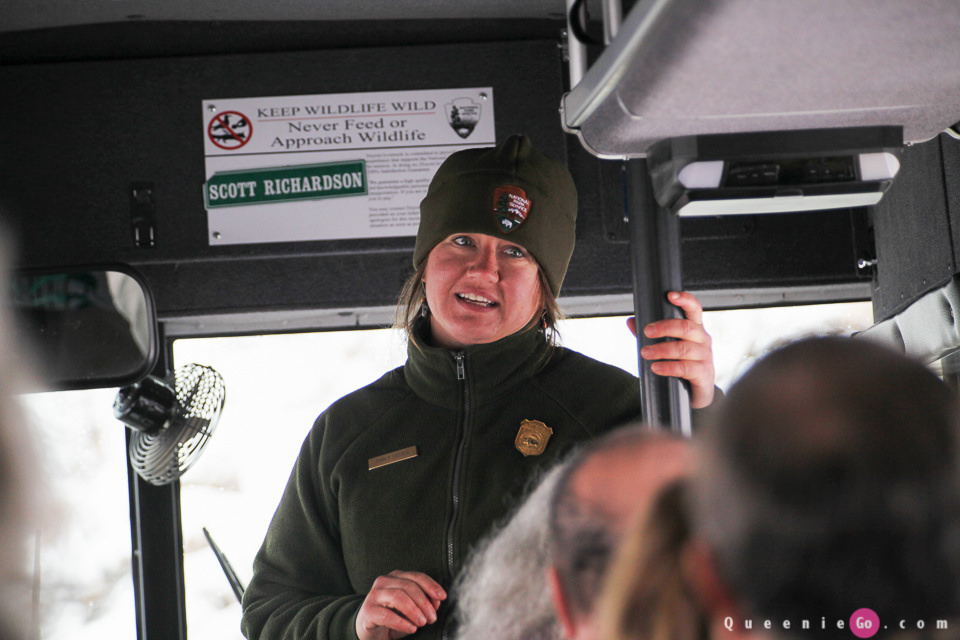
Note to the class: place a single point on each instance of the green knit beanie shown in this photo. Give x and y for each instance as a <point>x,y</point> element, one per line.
<point>511,191</point>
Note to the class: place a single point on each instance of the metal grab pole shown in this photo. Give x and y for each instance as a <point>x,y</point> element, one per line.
<point>576,50</point>
<point>655,254</point>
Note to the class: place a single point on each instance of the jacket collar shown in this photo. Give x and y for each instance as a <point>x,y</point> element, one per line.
<point>490,370</point>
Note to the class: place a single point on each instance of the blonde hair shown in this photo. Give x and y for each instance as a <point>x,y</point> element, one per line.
<point>646,595</point>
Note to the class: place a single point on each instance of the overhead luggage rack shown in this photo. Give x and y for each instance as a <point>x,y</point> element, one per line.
<point>732,107</point>
<point>692,67</point>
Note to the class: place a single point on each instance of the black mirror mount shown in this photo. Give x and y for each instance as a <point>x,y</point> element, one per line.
<point>88,327</point>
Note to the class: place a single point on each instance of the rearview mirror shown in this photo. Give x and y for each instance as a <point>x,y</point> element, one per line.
<point>88,327</point>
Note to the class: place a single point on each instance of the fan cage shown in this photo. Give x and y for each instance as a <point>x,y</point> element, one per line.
<point>162,457</point>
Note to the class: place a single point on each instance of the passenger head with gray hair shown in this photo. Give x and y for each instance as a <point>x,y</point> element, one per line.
<point>829,482</point>
<point>601,491</point>
<point>502,589</point>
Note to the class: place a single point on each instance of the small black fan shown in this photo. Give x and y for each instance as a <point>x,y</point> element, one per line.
<point>172,420</point>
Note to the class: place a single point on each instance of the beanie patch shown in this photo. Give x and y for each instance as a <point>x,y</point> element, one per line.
<point>511,206</point>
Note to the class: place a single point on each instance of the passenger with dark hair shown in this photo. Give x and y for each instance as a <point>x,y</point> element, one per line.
<point>830,484</point>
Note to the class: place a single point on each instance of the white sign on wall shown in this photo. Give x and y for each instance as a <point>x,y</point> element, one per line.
<point>332,166</point>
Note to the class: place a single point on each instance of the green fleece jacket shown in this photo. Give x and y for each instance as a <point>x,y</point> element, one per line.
<point>341,524</point>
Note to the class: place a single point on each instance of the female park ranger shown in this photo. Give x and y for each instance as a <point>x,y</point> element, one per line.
<point>396,481</point>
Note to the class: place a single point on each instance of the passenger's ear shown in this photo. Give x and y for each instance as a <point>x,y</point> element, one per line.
<point>715,598</point>
<point>561,605</point>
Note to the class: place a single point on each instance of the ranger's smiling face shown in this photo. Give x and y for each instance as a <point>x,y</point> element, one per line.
<point>479,289</point>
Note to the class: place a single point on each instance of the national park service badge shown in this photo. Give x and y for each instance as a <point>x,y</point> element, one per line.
<point>532,438</point>
<point>511,206</point>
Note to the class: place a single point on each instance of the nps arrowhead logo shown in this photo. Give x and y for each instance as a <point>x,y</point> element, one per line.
<point>463,114</point>
<point>511,206</point>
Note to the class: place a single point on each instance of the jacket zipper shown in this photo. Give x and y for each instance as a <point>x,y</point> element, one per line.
<point>459,357</point>
<point>455,493</point>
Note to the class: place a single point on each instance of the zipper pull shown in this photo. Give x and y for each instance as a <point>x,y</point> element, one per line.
<point>461,370</point>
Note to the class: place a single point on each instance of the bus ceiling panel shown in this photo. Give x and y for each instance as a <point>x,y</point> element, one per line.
<point>140,38</point>
<point>23,15</point>
<point>688,67</point>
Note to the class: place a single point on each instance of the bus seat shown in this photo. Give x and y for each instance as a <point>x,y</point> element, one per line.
<point>928,329</point>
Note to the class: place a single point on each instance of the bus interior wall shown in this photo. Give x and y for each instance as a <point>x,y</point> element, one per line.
<point>82,134</point>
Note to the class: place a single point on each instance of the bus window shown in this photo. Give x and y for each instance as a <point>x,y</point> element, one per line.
<point>739,335</point>
<point>82,567</point>
<point>276,386</point>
